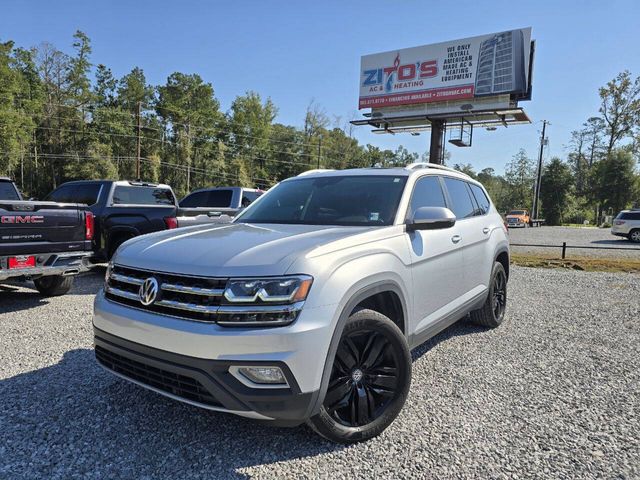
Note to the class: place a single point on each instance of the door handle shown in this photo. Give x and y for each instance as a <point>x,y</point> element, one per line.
<point>456,238</point>
<point>486,230</point>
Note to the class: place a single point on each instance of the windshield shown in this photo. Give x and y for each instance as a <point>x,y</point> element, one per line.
<point>516,212</point>
<point>349,200</point>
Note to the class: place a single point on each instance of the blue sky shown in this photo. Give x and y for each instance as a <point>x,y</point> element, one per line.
<point>296,52</point>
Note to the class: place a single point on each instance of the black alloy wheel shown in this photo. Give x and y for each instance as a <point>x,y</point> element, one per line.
<point>364,378</point>
<point>499,291</point>
<point>368,381</point>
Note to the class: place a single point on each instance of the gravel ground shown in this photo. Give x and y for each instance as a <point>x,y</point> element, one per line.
<point>554,392</point>
<point>593,237</point>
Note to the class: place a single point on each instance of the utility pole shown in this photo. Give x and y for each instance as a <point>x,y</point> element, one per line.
<point>138,142</point>
<point>536,195</point>
<point>319,150</point>
<point>435,147</point>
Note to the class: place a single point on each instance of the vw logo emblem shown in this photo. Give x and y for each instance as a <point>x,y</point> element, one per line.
<point>148,291</point>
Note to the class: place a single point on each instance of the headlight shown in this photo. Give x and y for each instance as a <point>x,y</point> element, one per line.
<point>268,290</point>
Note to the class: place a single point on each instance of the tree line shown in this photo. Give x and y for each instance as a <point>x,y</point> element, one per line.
<point>597,178</point>
<point>62,118</point>
<point>57,124</point>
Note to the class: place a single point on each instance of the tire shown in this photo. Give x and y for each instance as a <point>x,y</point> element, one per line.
<point>369,382</point>
<point>634,235</point>
<point>53,285</point>
<point>492,312</point>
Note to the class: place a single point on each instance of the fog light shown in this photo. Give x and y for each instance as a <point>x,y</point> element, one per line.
<point>264,375</point>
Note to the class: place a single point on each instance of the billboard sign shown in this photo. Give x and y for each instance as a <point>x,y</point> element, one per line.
<point>486,65</point>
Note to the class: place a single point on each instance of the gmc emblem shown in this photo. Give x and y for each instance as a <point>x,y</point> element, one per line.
<point>22,219</point>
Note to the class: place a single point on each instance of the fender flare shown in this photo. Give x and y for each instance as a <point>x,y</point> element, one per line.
<point>349,305</point>
<point>117,231</point>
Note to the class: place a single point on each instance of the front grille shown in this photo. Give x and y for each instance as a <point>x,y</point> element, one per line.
<point>196,298</point>
<point>174,383</point>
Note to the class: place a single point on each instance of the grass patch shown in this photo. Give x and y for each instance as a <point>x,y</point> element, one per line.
<point>578,263</point>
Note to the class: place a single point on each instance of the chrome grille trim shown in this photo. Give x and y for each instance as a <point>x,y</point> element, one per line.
<point>189,307</point>
<point>126,279</point>
<point>122,293</point>
<point>209,292</point>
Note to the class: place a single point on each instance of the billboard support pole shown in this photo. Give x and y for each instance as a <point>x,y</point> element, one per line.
<point>435,147</point>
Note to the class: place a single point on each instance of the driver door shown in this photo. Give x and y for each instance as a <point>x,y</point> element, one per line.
<point>437,265</point>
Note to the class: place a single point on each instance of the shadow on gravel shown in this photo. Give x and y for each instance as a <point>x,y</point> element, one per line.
<point>73,418</point>
<point>14,298</point>
<point>458,329</point>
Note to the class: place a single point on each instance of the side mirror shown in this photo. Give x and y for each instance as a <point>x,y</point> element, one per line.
<point>431,218</point>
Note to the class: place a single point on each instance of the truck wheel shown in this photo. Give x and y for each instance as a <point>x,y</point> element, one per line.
<point>492,312</point>
<point>369,382</point>
<point>634,236</point>
<point>53,285</point>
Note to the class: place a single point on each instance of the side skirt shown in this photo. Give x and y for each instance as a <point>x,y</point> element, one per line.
<point>448,320</point>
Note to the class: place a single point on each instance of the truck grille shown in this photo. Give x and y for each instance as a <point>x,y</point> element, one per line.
<point>173,383</point>
<point>196,298</point>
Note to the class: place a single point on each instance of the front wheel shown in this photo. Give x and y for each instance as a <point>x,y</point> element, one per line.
<point>634,236</point>
<point>369,382</point>
<point>53,285</point>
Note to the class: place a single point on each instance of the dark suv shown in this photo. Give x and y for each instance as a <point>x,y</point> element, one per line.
<point>122,209</point>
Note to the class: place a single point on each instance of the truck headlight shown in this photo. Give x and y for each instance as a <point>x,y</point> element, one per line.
<point>290,289</point>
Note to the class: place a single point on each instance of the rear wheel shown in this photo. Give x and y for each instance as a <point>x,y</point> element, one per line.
<point>492,312</point>
<point>634,236</point>
<point>369,382</point>
<point>53,285</point>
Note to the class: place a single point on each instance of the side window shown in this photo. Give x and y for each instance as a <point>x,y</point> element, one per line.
<point>63,194</point>
<point>248,197</point>
<point>481,198</point>
<point>462,205</point>
<point>427,192</point>
<point>194,200</point>
<point>219,198</point>
<point>87,194</point>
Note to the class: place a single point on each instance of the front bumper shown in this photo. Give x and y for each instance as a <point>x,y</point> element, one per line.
<point>156,351</point>
<point>66,263</point>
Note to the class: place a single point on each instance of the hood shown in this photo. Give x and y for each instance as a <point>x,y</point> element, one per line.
<point>236,249</point>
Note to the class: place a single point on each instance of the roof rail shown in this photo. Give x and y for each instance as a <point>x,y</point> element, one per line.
<point>417,165</point>
<point>316,170</point>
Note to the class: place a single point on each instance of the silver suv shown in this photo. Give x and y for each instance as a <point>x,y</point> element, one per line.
<point>305,308</point>
<point>627,224</point>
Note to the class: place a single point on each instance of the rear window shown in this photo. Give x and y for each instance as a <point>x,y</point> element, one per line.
<point>124,195</point>
<point>629,216</point>
<point>8,191</point>
<point>209,198</point>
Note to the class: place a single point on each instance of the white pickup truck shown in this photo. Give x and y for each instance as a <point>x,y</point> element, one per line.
<point>214,205</point>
